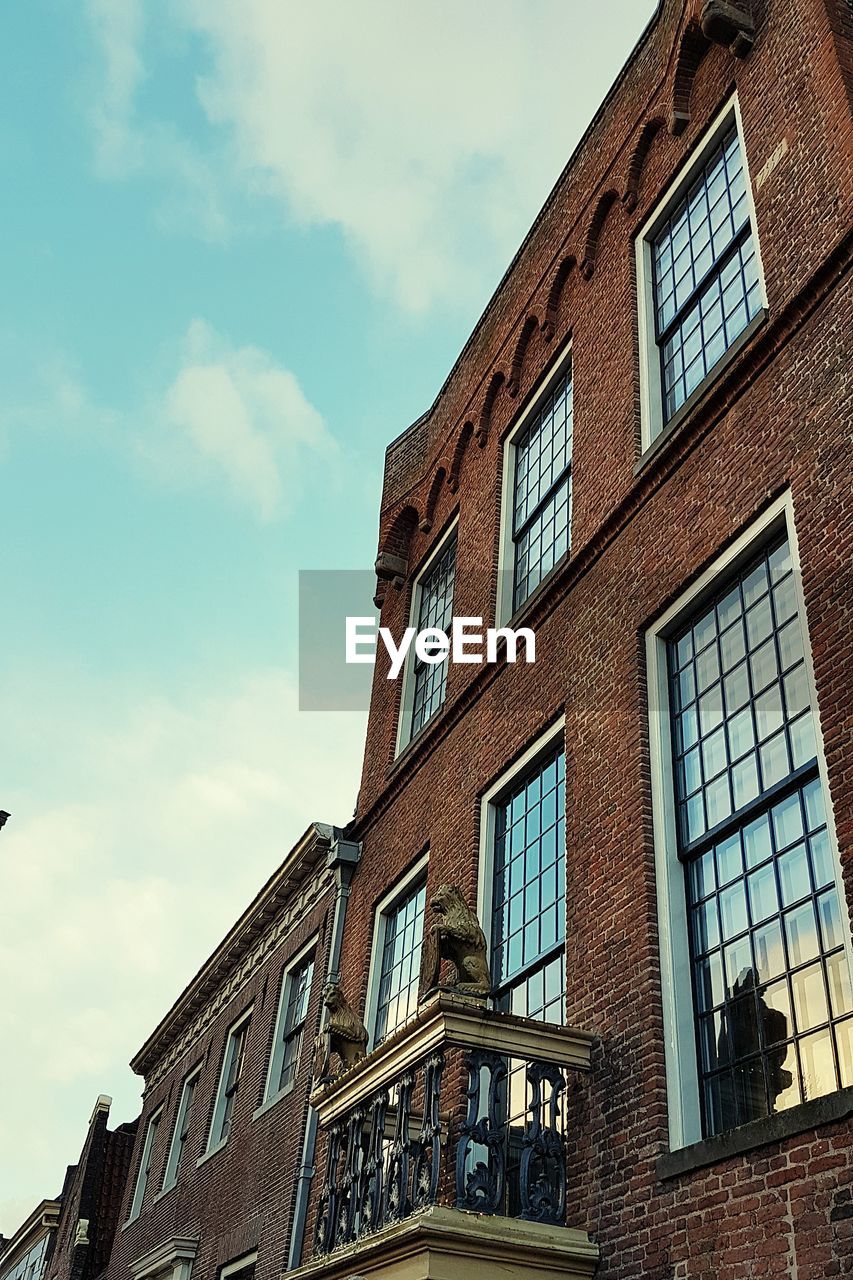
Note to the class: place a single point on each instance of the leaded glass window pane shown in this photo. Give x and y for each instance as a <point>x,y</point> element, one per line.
<point>529,897</point>
<point>542,494</point>
<point>401,961</point>
<point>435,611</point>
<point>704,274</point>
<point>528,929</point>
<point>771,981</point>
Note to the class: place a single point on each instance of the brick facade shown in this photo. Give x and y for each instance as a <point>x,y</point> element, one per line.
<point>773,419</point>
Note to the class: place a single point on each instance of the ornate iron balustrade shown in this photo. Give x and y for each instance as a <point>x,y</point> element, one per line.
<point>463,1107</point>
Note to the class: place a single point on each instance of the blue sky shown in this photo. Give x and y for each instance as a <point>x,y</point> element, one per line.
<point>241,246</point>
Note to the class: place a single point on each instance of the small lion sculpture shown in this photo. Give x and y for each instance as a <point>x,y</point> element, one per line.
<point>343,1034</point>
<point>455,936</point>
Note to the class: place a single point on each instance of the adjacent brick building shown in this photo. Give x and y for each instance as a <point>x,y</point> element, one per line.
<point>91,1199</point>
<point>220,1171</point>
<point>26,1254</point>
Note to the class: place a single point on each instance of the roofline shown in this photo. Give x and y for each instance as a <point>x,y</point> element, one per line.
<point>38,1218</point>
<point>549,200</point>
<point>304,855</point>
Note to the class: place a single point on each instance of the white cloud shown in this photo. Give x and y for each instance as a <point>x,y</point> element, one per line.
<point>117,27</point>
<point>428,134</point>
<point>242,417</point>
<point>152,824</point>
<point>229,418</point>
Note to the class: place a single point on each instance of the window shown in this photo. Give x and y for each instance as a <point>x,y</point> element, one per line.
<point>145,1163</point>
<point>182,1128</point>
<point>293,1010</point>
<point>538,476</point>
<point>699,273</point>
<point>432,607</point>
<point>747,866</point>
<point>770,976</point>
<point>32,1265</point>
<point>229,1082</point>
<point>523,897</point>
<point>242,1269</point>
<point>398,939</point>
<point>529,891</point>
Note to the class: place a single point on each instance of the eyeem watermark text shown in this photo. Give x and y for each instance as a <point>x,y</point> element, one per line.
<point>432,646</point>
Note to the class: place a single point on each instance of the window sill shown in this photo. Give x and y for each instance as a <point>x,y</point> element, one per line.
<point>758,1133</point>
<point>164,1191</point>
<point>705,387</point>
<point>208,1155</point>
<point>269,1103</point>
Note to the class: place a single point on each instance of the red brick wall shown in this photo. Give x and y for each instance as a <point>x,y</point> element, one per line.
<point>777,418</point>
<point>242,1198</point>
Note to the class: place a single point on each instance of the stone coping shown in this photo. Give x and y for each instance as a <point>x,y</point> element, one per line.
<point>449,1244</point>
<point>447,1019</point>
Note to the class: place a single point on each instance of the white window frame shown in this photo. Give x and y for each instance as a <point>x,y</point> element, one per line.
<point>219,1103</point>
<point>143,1172</point>
<point>651,398</point>
<point>682,1080</point>
<point>277,1051</point>
<point>404,724</point>
<point>488,817</point>
<point>239,1264</point>
<point>381,912</point>
<point>170,1173</point>
<point>504,610</point>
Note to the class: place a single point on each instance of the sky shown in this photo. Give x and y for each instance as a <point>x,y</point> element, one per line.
<point>241,244</point>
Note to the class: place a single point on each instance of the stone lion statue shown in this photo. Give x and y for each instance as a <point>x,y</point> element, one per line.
<point>343,1034</point>
<point>455,936</point>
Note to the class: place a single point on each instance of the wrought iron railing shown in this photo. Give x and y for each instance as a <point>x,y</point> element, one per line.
<point>463,1107</point>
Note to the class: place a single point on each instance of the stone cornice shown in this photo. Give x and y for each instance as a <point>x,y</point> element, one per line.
<point>449,1020</point>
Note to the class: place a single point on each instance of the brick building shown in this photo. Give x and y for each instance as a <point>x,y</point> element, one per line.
<point>26,1254</point>
<point>221,1166</point>
<point>643,453</point>
<point>91,1199</point>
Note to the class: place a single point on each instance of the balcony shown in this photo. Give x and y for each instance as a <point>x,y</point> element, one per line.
<point>445,1151</point>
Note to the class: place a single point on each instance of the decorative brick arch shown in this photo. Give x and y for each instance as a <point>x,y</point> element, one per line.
<point>482,432</point>
<point>392,562</point>
<point>432,500</point>
<point>693,46</point>
<point>599,217</point>
<point>648,133</point>
<point>555,294</point>
<point>528,329</point>
<point>458,454</point>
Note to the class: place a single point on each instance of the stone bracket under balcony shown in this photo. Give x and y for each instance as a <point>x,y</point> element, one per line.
<point>448,1244</point>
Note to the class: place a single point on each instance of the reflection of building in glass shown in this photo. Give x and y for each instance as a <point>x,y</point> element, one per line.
<point>769,966</point>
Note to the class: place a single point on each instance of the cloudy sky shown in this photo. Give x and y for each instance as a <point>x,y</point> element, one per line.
<point>242,242</point>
